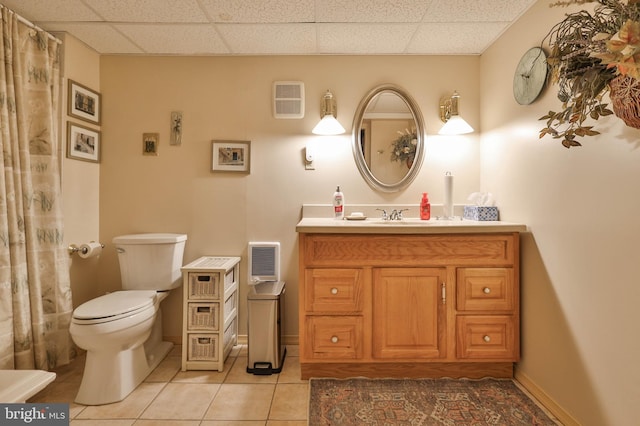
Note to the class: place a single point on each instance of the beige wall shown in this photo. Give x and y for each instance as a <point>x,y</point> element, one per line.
<point>230,98</point>
<point>580,263</point>
<point>80,179</point>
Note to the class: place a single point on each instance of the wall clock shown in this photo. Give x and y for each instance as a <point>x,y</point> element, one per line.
<point>530,76</point>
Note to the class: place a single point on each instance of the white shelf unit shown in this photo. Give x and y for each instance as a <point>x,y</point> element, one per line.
<point>210,311</point>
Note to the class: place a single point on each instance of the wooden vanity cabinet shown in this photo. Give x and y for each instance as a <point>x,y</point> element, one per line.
<point>387,305</point>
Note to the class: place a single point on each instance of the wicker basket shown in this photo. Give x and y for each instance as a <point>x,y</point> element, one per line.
<point>625,98</point>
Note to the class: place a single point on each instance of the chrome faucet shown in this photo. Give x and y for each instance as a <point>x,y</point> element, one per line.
<point>394,215</point>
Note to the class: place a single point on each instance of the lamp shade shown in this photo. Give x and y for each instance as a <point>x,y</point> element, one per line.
<point>455,125</point>
<point>328,126</point>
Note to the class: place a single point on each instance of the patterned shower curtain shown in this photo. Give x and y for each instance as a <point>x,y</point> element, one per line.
<point>35,293</point>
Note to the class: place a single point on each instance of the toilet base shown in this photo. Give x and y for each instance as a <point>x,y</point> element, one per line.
<point>110,377</point>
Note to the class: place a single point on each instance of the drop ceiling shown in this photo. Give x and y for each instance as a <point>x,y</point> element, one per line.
<point>277,27</point>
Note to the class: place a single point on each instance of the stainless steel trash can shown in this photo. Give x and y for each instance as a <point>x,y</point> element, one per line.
<point>265,305</point>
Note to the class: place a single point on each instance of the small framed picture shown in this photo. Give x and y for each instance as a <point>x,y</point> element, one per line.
<point>150,143</point>
<point>83,143</point>
<point>231,156</point>
<point>83,103</point>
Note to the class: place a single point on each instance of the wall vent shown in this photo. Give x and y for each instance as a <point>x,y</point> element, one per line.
<point>288,99</point>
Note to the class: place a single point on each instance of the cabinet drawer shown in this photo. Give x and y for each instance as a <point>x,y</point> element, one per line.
<point>333,291</point>
<point>333,337</point>
<point>486,337</point>
<point>485,289</point>
<point>203,285</point>
<point>203,316</point>
<point>410,250</point>
<point>202,347</point>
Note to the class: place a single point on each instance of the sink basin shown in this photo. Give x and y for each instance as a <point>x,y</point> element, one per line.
<point>412,221</point>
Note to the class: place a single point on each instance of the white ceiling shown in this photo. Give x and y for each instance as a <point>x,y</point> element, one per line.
<point>277,27</point>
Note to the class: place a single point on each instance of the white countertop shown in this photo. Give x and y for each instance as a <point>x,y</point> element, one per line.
<point>405,226</point>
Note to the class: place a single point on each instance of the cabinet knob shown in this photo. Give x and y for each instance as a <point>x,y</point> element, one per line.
<point>334,290</point>
<point>334,339</point>
<point>486,339</point>
<point>486,290</point>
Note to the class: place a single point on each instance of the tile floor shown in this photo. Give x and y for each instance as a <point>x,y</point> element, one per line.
<point>173,397</point>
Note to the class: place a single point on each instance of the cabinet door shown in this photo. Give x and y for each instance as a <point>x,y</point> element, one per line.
<point>409,318</point>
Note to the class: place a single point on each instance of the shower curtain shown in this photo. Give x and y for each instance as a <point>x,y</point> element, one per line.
<point>35,293</point>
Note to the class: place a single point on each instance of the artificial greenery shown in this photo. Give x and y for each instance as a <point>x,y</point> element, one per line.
<point>588,50</point>
<point>404,148</point>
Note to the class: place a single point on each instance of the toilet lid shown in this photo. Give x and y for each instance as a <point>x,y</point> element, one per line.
<point>116,304</point>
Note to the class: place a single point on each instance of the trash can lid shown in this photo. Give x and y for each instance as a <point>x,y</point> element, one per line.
<point>266,290</point>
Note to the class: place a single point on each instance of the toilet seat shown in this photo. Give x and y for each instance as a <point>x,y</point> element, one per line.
<point>114,306</point>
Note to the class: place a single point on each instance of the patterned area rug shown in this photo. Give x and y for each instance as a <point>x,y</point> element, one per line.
<point>421,402</point>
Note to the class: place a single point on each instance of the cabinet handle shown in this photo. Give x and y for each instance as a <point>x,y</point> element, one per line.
<point>334,291</point>
<point>334,339</point>
<point>486,339</point>
<point>444,293</point>
<point>486,290</point>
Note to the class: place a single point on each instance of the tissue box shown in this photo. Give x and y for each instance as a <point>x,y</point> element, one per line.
<point>480,213</point>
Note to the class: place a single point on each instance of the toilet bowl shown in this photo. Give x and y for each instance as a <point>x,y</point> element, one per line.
<point>114,337</point>
<point>122,331</point>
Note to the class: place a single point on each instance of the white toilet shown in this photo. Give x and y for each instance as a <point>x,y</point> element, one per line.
<point>122,331</point>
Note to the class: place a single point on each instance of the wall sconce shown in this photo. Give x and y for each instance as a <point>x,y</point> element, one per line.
<point>328,124</point>
<point>453,123</point>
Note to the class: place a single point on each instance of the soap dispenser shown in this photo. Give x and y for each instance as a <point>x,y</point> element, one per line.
<point>338,204</point>
<point>425,207</point>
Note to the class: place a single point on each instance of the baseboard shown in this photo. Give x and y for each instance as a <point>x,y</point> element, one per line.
<point>553,407</point>
<point>242,339</point>
<point>176,340</point>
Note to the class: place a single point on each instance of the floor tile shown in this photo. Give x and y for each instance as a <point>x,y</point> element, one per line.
<point>165,371</point>
<point>291,371</point>
<point>181,401</point>
<point>241,402</point>
<point>129,408</point>
<point>290,402</point>
<point>128,422</point>
<point>238,374</point>
<point>142,422</point>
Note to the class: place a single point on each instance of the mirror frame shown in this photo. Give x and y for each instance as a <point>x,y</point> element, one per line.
<point>355,139</point>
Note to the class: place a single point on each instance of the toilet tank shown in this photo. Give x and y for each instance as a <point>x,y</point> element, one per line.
<point>150,261</point>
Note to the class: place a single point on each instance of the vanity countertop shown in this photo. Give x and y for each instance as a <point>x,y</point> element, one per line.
<point>312,225</point>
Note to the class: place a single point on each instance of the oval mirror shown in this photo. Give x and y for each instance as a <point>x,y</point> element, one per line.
<point>388,138</point>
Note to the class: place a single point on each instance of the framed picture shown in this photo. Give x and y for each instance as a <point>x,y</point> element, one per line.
<point>150,143</point>
<point>231,156</point>
<point>83,103</point>
<point>83,143</point>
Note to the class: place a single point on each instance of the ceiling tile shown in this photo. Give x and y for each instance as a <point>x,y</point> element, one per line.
<point>277,27</point>
<point>460,38</point>
<point>274,39</point>
<point>47,10</point>
<point>371,10</point>
<point>476,10</point>
<point>101,37</point>
<point>364,38</point>
<point>260,11</point>
<point>173,39</point>
<point>149,10</point>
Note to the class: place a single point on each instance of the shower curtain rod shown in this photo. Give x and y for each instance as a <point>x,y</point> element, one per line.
<point>32,25</point>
